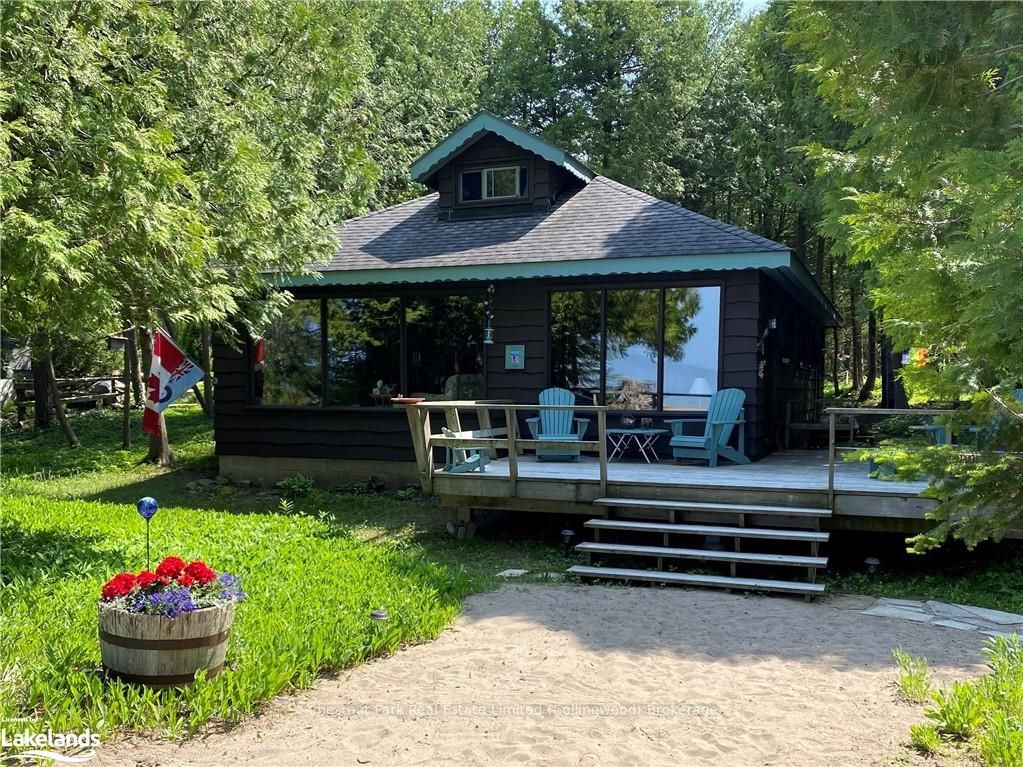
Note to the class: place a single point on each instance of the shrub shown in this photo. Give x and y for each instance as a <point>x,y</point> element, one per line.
<point>914,680</point>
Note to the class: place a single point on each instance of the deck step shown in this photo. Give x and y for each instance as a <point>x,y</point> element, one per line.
<point>810,536</point>
<point>704,554</point>
<point>691,579</point>
<point>723,508</point>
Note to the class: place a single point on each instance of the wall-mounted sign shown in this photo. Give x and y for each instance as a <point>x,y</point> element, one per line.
<point>514,357</point>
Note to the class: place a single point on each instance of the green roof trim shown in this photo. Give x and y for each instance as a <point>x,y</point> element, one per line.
<point>484,122</point>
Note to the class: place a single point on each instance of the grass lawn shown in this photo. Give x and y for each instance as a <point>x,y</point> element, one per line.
<point>312,574</point>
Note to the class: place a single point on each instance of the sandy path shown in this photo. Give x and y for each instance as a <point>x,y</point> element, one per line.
<point>698,678</point>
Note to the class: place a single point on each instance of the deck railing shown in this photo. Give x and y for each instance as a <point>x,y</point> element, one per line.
<point>833,413</point>
<point>493,439</point>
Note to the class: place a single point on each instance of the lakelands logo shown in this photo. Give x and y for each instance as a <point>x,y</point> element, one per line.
<point>28,745</point>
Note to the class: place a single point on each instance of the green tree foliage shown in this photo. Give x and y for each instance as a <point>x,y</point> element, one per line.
<point>158,158</point>
<point>928,192</point>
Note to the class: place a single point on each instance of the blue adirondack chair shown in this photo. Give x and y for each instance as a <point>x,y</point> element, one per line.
<point>723,414</point>
<point>557,424</point>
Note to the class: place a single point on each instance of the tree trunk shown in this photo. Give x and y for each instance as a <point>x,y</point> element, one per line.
<point>854,338</point>
<point>801,237</point>
<point>893,392</point>
<point>58,406</point>
<point>207,366</point>
<point>818,267</point>
<point>137,388</point>
<point>200,398</point>
<point>40,392</point>
<point>160,451</point>
<point>871,377</point>
<point>126,398</point>
<point>834,333</point>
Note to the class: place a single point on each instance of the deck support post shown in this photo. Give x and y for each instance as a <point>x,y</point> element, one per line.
<point>511,423</point>
<point>602,449</point>
<point>831,461</point>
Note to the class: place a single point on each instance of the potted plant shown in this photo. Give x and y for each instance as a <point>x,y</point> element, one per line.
<point>159,628</point>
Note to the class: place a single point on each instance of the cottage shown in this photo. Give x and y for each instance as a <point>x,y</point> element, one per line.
<point>521,270</point>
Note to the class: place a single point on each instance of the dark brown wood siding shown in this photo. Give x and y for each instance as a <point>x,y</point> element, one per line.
<point>267,431</point>
<point>749,300</point>
<point>794,363</point>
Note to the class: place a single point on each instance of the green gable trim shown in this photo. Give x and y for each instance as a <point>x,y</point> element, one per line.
<point>535,269</point>
<point>483,122</point>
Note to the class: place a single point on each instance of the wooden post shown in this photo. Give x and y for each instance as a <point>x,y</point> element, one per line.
<point>602,449</point>
<point>513,458</point>
<point>416,428</point>
<point>451,419</point>
<point>483,416</point>
<point>424,420</point>
<point>831,461</point>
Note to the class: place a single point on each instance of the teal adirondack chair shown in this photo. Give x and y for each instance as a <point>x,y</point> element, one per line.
<point>557,424</point>
<point>723,414</point>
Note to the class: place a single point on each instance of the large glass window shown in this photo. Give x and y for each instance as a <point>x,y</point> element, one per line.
<point>692,330</point>
<point>444,336</point>
<point>576,342</point>
<point>286,360</point>
<point>633,331</point>
<point>637,349</point>
<point>363,350</point>
<point>370,350</point>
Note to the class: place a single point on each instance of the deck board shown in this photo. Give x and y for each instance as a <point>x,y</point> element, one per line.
<point>790,470</point>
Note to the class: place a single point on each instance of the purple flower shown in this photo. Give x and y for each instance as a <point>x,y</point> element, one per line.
<point>231,587</point>
<point>170,603</point>
<point>147,507</point>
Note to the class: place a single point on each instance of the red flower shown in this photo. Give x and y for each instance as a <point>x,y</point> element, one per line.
<point>146,579</point>
<point>118,586</point>
<point>186,580</point>
<point>201,572</point>
<point>171,567</point>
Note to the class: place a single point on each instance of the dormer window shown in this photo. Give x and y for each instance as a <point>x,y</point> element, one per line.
<point>501,183</point>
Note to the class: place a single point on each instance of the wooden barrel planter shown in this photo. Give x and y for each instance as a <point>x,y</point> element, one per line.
<point>162,652</point>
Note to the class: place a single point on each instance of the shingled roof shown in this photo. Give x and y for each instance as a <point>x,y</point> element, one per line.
<point>604,228</point>
<point>602,220</point>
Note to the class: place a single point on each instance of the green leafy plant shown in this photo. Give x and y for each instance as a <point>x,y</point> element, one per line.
<point>984,713</point>
<point>914,679</point>
<point>296,486</point>
<point>959,710</point>
<point>925,738</point>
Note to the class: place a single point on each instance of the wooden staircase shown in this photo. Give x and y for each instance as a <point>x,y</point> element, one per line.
<point>748,541</point>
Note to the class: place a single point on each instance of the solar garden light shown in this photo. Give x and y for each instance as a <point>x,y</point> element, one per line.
<point>380,615</point>
<point>147,510</point>
<point>872,564</point>
<point>566,538</point>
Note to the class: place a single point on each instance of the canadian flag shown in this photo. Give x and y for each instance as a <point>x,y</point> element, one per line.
<point>171,375</point>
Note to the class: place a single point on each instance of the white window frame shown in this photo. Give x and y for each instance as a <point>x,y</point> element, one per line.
<point>483,183</point>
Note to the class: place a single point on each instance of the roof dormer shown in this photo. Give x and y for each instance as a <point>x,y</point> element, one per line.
<point>490,167</point>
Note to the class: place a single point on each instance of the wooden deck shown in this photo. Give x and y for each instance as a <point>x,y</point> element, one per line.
<point>515,480</point>
<point>794,478</point>
<point>790,470</point>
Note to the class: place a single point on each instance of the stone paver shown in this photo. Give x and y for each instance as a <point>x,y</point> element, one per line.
<point>960,617</point>
<point>949,611</point>
<point>995,616</point>
<point>892,611</point>
<point>951,624</point>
